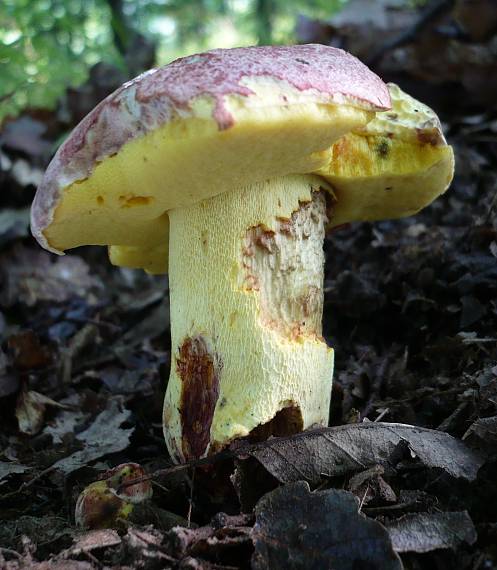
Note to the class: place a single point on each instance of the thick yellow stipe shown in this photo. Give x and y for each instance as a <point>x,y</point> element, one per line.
<point>246,290</point>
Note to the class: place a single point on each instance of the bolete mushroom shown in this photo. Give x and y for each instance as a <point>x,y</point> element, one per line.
<point>226,169</point>
<point>106,503</point>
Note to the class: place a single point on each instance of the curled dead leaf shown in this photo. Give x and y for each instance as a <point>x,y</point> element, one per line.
<point>335,451</point>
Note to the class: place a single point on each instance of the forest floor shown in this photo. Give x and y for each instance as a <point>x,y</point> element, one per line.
<point>411,311</point>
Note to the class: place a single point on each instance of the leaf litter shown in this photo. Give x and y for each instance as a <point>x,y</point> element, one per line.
<point>299,529</point>
<point>103,437</point>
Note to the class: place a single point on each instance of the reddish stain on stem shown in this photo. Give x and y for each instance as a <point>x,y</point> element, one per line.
<point>199,371</point>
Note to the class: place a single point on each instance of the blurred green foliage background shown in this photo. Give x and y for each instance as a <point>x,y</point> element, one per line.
<point>48,45</point>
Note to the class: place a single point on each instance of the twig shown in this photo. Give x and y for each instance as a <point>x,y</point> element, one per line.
<point>493,204</point>
<point>161,487</point>
<point>454,416</point>
<point>95,560</point>
<point>376,511</point>
<point>190,500</point>
<point>104,324</point>
<point>143,537</point>
<point>27,484</point>
<point>382,415</point>
<point>80,340</point>
<point>479,561</point>
<point>363,498</point>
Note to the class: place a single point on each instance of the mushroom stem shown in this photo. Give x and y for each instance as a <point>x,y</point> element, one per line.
<point>246,290</point>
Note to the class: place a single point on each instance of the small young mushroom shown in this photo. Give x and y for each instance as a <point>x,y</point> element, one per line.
<point>225,169</point>
<point>106,503</point>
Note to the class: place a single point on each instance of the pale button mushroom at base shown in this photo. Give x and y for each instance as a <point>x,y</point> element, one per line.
<point>204,168</point>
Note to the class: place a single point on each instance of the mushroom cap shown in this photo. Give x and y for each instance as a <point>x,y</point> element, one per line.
<point>391,168</point>
<point>99,507</point>
<point>125,473</point>
<point>106,503</point>
<point>196,128</point>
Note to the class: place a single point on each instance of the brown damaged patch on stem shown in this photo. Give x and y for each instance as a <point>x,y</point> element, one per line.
<point>199,370</point>
<point>287,421</point>
<point>285,267</point>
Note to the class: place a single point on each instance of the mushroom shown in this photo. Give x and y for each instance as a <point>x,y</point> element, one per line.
<point>106,503</point>
<point>226,169</point>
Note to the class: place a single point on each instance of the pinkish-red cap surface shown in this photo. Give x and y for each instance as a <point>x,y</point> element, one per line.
<point>155,97</point>
<point>119,478</point>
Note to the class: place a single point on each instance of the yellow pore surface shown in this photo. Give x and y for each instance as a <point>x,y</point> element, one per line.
<point>125,199</point>
<point>375,178</point>
<point>393,167</point>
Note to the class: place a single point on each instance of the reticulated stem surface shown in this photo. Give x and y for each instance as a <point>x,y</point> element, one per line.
<point>246,290</point>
